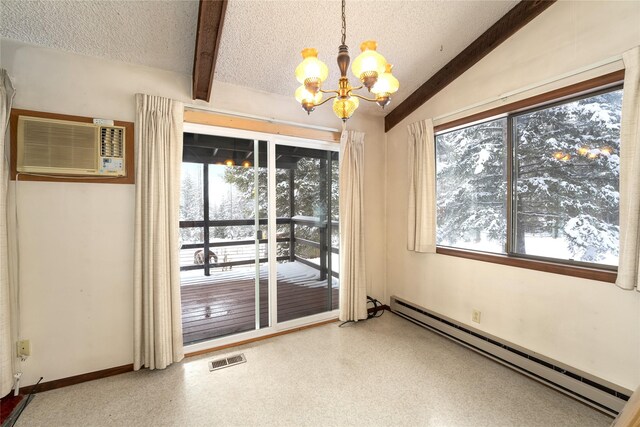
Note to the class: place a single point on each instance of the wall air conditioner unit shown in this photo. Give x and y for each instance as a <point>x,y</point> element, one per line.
<point>60,147</point>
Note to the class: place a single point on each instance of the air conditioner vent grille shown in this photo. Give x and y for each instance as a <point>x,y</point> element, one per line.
<point>111,142</point>
<point>63,147</point>
<point>60,145</point>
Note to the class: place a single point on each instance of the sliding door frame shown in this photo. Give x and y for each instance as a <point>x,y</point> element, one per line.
<point>272,141</point>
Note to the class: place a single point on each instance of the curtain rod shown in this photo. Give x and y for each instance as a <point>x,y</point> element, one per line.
<point>255,117</point>
<point>578,71</point>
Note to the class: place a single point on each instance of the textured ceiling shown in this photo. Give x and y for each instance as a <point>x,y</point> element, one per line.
<point>261,40</point>
<point>158,34</point>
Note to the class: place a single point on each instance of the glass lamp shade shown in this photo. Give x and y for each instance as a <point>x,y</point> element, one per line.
<point>304,96</point>
<point>387,83</point>
<point>311,69</point>
<point>369,64</point>
<point>344,108</point>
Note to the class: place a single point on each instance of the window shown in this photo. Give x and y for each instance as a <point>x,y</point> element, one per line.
<point>472,187</point>
<point>541,183</point>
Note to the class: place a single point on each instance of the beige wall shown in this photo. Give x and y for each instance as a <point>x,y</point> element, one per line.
<point>75,240</point>
<point>590,325</point>
<point>76,245</point>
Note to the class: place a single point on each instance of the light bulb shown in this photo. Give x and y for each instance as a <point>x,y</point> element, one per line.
<point>558,155</point>
<point>303,95</point>
<point>344,108</point>
<point>311,72</point>
<point>606,151</point>
<point>583,151</point>
<point>229,162</point>
<point>369,64</point>
<point>307,100</point>
<point>387,83</point>
<point>246,164</point>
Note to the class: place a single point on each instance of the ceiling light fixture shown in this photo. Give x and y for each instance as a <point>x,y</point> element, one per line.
<point>370,67</point>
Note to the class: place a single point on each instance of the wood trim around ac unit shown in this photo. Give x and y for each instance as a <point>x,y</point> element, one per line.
<point>129,153</point>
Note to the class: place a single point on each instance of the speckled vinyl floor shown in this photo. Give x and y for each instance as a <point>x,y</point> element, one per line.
<point>382,372</point>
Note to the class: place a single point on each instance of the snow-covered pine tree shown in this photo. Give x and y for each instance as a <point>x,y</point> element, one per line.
<point>191,207</point>
<point>306,194</point>
<point>566,169</point>
<point>471,187</point>
<point>567,176</point>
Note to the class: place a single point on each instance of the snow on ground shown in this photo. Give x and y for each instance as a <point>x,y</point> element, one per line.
<point>536,245</point>
<point>284,270</point>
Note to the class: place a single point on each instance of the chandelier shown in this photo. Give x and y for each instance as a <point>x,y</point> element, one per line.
<point>369,67</point>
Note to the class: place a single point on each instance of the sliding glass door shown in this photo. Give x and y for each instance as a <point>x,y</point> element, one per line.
<point>307,182</point>
<point>259,230</point>
<point>224,271</point>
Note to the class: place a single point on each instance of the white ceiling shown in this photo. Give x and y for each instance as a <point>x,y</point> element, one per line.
<point>261,40</point>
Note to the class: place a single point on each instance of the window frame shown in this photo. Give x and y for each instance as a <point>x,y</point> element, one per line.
<point>592,87</point>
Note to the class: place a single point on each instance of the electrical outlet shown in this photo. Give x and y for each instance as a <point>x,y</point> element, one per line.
<point>24,348</point>
<point>475,316</point>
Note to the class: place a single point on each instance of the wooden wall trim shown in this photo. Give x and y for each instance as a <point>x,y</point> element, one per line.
<point>220,120</point>
<point>77,379</point>
<point>104,373</point>
<point>553,95</point>
<point>209,32</point>
<point>548,267</point>
<point>519,16</point>
<point>129,152</point>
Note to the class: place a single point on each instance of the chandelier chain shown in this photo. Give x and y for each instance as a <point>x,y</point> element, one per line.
<point>344,23</point>
<point>369,67</point>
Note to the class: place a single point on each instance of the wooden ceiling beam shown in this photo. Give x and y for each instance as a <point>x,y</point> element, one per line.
<point>519,16</point>
<point>210,20</point>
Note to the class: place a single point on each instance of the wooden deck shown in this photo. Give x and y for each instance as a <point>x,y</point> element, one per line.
<point>224,303</point>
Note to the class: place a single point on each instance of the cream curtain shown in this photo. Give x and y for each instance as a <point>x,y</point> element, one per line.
<point>6,331</point>
<point>157,317</point>
<point>421,231</point>
<point>629,261</point>
<point>353,284</point>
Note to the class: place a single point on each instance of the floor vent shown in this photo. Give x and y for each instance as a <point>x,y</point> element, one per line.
<point>226,362</point>
<point>594,391</point>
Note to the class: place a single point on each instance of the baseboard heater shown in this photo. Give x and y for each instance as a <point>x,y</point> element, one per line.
<point>601,394</point>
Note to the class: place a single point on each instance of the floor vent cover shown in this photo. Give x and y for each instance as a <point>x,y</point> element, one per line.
<point>227,362</point>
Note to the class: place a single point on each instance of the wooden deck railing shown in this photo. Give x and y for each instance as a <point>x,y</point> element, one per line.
<point>325,237</point>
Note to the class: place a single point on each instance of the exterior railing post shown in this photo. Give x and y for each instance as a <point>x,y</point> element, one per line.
<point>324,216</point>
<point>205,190</point>
<point>292,210</point>
<point>328,230</point>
